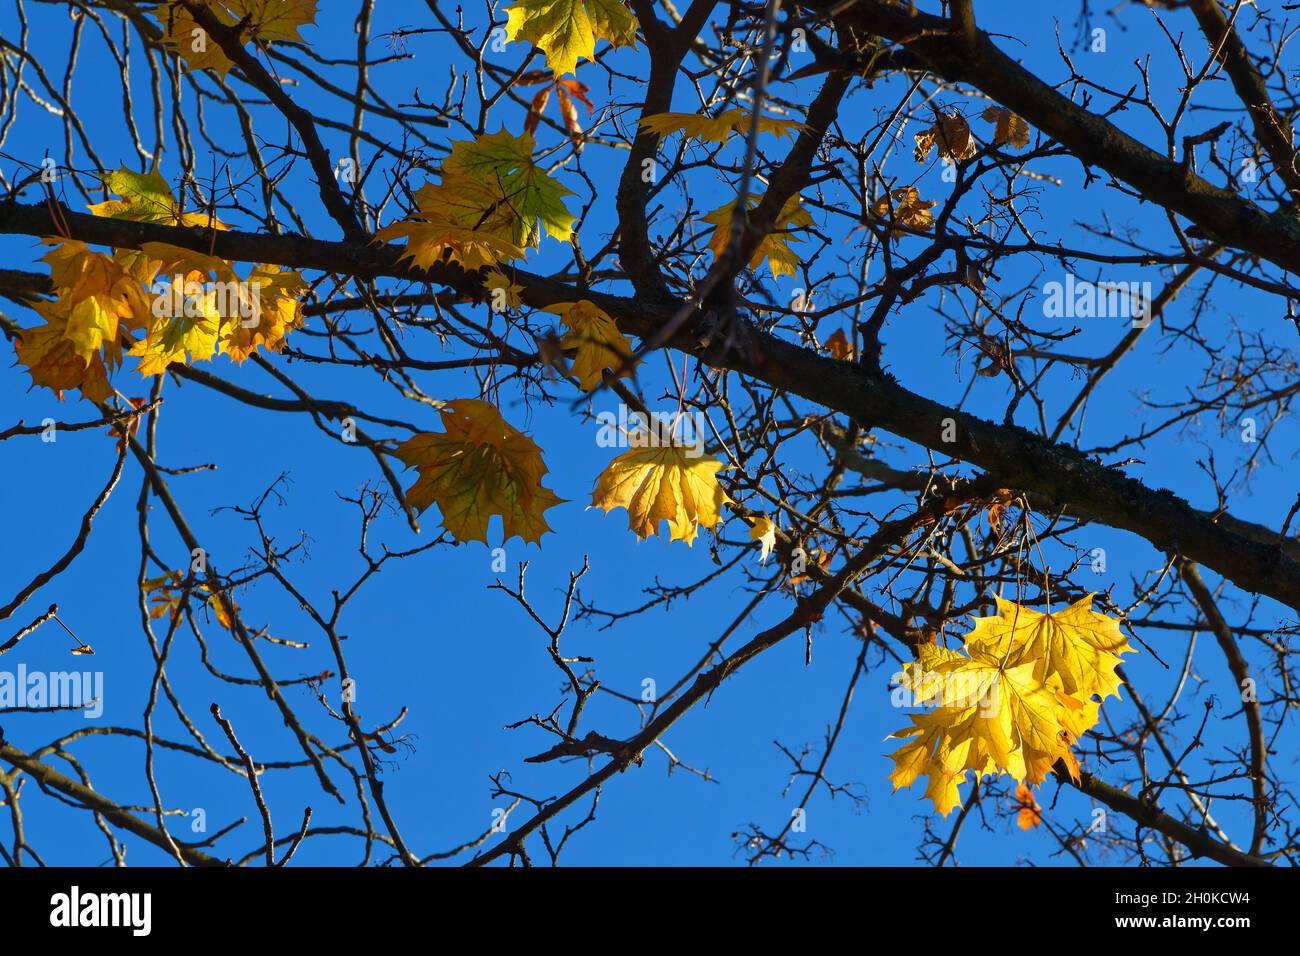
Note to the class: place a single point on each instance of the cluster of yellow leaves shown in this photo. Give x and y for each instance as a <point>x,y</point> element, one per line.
<point>904,209</point>
<point>479,466</point>
<point>487,208</point>
<point>567,30</point>
<point>1028,686</point>
<point>663,483</point>
<point>597,340</point>
<point>716,129</point>
<point>263,20</point>
<point>775,247</point>
<point>102,300</point>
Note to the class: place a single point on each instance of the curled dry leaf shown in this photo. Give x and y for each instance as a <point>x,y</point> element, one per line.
<point>1029,814</point>
<point>951,134</point>
<point>904,209</point>
<point>1010,129</point>
<point>838,346</point>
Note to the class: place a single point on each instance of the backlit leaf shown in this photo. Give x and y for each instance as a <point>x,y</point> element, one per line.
<point>663,483</point>
<point>479,467</point>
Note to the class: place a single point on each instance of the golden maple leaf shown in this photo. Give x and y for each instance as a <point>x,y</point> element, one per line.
<point>595,336</point>
<point>180,339</point>
<point>775,247</point>
<point>1010,130</point>
<point>717,129</point>
<point>663,483</point>
<point>503,291</point>
<point>1077,645</point>
<point>53,359</point>
<point>264,20</point>
<point>478,467</point>
<point>95,295</point>
<point>911,212</point>
<point>992,718</point>
<point>567,30</point>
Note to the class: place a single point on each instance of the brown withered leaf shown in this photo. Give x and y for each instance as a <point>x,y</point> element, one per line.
<point>1010,130</point>
<point>839,346</point>
<point>951,134</point>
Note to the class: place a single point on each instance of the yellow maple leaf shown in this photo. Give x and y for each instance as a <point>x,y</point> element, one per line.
<point>1014,726</point>
<point>910,211</point>
<point>1010,129</point>
<point>275,19</point>
<point>146,197</point>
<point>716,129</point>
<point>1077,645</point>
<point>775,247</point>
<point>183,36</point>
<point>504,292</point>
<point>478,467</point>
<point>663,483</point>
<point>176,263</point>
<point>95,295</point>
<point>180,339</point>
<point>264,20</point>
<point>567,30</point>
<point>595,336</point>
<point>53,361</point>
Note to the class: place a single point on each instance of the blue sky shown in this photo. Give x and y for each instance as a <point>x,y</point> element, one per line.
<point>428,634</point>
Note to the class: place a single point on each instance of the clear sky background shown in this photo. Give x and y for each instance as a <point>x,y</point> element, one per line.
<point>427,634</point>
